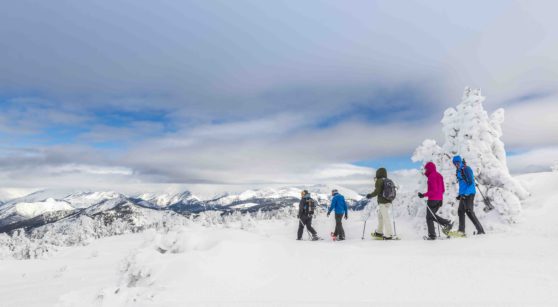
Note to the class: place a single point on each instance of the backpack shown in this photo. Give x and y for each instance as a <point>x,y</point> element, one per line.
<point>389,190</point>
<point>310,206</point>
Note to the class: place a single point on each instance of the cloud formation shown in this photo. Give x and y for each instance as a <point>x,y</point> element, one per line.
<point>214,93</point>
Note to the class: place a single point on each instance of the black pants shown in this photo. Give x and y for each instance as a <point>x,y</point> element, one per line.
<point>305,221</point>
<point>431,217</point>
<point>339,232</point>
<point>467,206</point>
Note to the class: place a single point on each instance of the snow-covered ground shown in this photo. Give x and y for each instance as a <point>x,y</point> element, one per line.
<point>260,264</point>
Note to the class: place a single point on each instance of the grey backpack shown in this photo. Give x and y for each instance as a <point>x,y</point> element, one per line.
<point>389,190</point>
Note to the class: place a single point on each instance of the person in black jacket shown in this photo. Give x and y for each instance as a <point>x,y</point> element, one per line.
<point>306,209</point>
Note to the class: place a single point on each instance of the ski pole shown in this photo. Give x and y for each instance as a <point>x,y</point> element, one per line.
<point>434,215</point>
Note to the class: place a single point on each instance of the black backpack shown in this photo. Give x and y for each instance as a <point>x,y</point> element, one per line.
<point>310,206</point>
<point>389,190</point>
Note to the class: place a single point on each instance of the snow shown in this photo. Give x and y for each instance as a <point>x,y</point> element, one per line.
<point>30,210</point>
<point>165,200</point>
<point>244,206</point>
<point>319,192</point>
<point>87,199</point>
<point>41,195</point>
<point>262,265</point>
<point>213,259</point>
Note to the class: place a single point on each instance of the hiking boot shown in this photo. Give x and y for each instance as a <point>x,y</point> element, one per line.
<point>446,229</point>
<point>315,238</point>
<point>377,235</point>
<point>429,238</point>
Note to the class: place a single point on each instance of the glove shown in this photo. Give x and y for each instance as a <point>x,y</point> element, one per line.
<point>328,214</point>
<point>346,216</point>
<point>420,195</point>
<point>310,216</point>
<point>458,197</point>
<point>298,216</point>
<point>369,195</point>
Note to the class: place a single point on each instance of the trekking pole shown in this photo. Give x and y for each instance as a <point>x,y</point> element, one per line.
<point>487,204</point>
<point>364,228</point>
<point>434,215</point>
<point>304,226</point>
<point>393,218</point>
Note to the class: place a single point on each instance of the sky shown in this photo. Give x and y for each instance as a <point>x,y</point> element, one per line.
<point>215,96</point>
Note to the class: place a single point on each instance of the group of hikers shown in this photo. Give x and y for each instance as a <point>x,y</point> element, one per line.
<point>384,191</point>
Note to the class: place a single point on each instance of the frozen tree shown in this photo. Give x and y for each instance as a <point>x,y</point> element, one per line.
<point>470,132</point>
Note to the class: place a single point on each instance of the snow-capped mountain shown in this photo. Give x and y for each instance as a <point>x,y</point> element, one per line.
<point>42,208</point>
<point>165,200</point>
<point>87,199</point>
<point>31,210</point>
<point>255,199</point>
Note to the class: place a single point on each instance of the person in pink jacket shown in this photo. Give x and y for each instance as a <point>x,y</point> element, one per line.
<point>435,195</point>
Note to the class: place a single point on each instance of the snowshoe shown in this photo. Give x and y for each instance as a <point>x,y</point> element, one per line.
<point>429,238</point>
<point>378,235</point>
<point>456,234</point>
<point>392,238</point>
<point>316,238</point>
<point>333,236</point>
<point>447,229</point>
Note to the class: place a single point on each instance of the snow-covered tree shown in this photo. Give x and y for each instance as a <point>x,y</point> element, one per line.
<point>470,132</point>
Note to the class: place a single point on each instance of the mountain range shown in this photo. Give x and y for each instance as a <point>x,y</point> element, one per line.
<point>49,206</point>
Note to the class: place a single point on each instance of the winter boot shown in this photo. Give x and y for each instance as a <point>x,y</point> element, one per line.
<point>315,238</point>
<point>429,238</point>
<point>377,235</point>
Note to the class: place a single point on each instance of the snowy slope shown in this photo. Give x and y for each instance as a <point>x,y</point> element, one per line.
<point>87,199</point>
<point>262,265</point>
<point>30,210</point>
<point>165,200</point>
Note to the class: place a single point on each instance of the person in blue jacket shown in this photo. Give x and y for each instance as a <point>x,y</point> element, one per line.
<point>339,205</point>
<point>466,197</point>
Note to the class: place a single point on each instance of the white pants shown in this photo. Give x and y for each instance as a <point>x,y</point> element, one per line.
<point>384,220</point>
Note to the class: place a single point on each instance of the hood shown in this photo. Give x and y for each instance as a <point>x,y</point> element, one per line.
<point>381,173</point>
<point>307,195</point>
<point>430,168</point>
<point>457,159</point>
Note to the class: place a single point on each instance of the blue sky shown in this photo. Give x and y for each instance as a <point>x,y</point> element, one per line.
<point>245,92</point>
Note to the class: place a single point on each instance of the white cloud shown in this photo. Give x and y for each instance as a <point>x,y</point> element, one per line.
<point>538,160</point>
<point>532,123</point>
<point>269,73</point>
